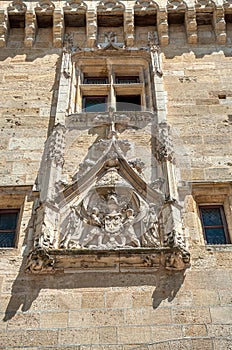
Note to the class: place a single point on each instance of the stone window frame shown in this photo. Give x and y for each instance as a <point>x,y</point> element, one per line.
<point>213,194</point>
<point>113,88</point>
<point>15,230</point>
<point>223,225</point>
<point>17,198</point>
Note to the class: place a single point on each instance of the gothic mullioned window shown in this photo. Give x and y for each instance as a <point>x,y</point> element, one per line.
<point>122,85</point>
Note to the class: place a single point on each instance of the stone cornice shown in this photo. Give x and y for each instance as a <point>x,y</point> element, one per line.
<point>161,10</point>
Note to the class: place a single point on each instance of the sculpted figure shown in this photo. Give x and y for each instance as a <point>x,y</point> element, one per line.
<point>74,231</point>
<point>150,237</point>
<point>95,232</point>
<point>129,233</point>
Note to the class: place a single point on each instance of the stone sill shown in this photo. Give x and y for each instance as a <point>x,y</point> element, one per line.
<point>91,119</point>
<point>121,260</point>
<point>219,247</point>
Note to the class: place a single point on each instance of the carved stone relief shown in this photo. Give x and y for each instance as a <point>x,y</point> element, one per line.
<point>111,216</point>
<point>110,205</point>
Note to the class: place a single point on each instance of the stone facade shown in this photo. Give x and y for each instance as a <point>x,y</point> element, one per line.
<point>110,249</point>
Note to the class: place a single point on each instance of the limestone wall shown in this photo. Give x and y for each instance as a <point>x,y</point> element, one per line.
<point>162,310</point>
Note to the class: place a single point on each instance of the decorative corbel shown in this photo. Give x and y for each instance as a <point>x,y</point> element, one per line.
<point>39,261</point>
<point>3,28</point>
<point>162,26</point>
<point>219,25</point>
<point>58,28</point>
<point>129,27</point>
<point>30,28</point>
<point>91,18</point>
<point>191,25</point>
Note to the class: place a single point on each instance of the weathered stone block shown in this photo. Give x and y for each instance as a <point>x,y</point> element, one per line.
<point>54,320</point>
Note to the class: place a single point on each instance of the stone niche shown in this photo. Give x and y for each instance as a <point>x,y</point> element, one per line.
<point>119,209</point>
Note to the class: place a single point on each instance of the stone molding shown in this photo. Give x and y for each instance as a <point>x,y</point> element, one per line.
<point>46,7</point>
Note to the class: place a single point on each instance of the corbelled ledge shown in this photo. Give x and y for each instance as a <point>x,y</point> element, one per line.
<point>118,260</point>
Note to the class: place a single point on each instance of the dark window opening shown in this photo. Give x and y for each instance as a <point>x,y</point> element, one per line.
<point>222,97</point>
<point>145,20</point>
<point>95,104</point>
<point>176,18</point>
<point>96,80</point>
<point>8,224</point>
<point>17,21</point>
<point>228,17</point>
<point>204,19</point>
<point>44,21</point>
<point>128,103</point>
<point>214,224</point>
<point>110,20</point>
<point>72,20</point>
<point>127,80</point>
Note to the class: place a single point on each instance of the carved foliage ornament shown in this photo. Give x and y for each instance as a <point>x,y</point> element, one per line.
<point>56,145</point>
<point>17,6</point>
<point>164,145</point>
